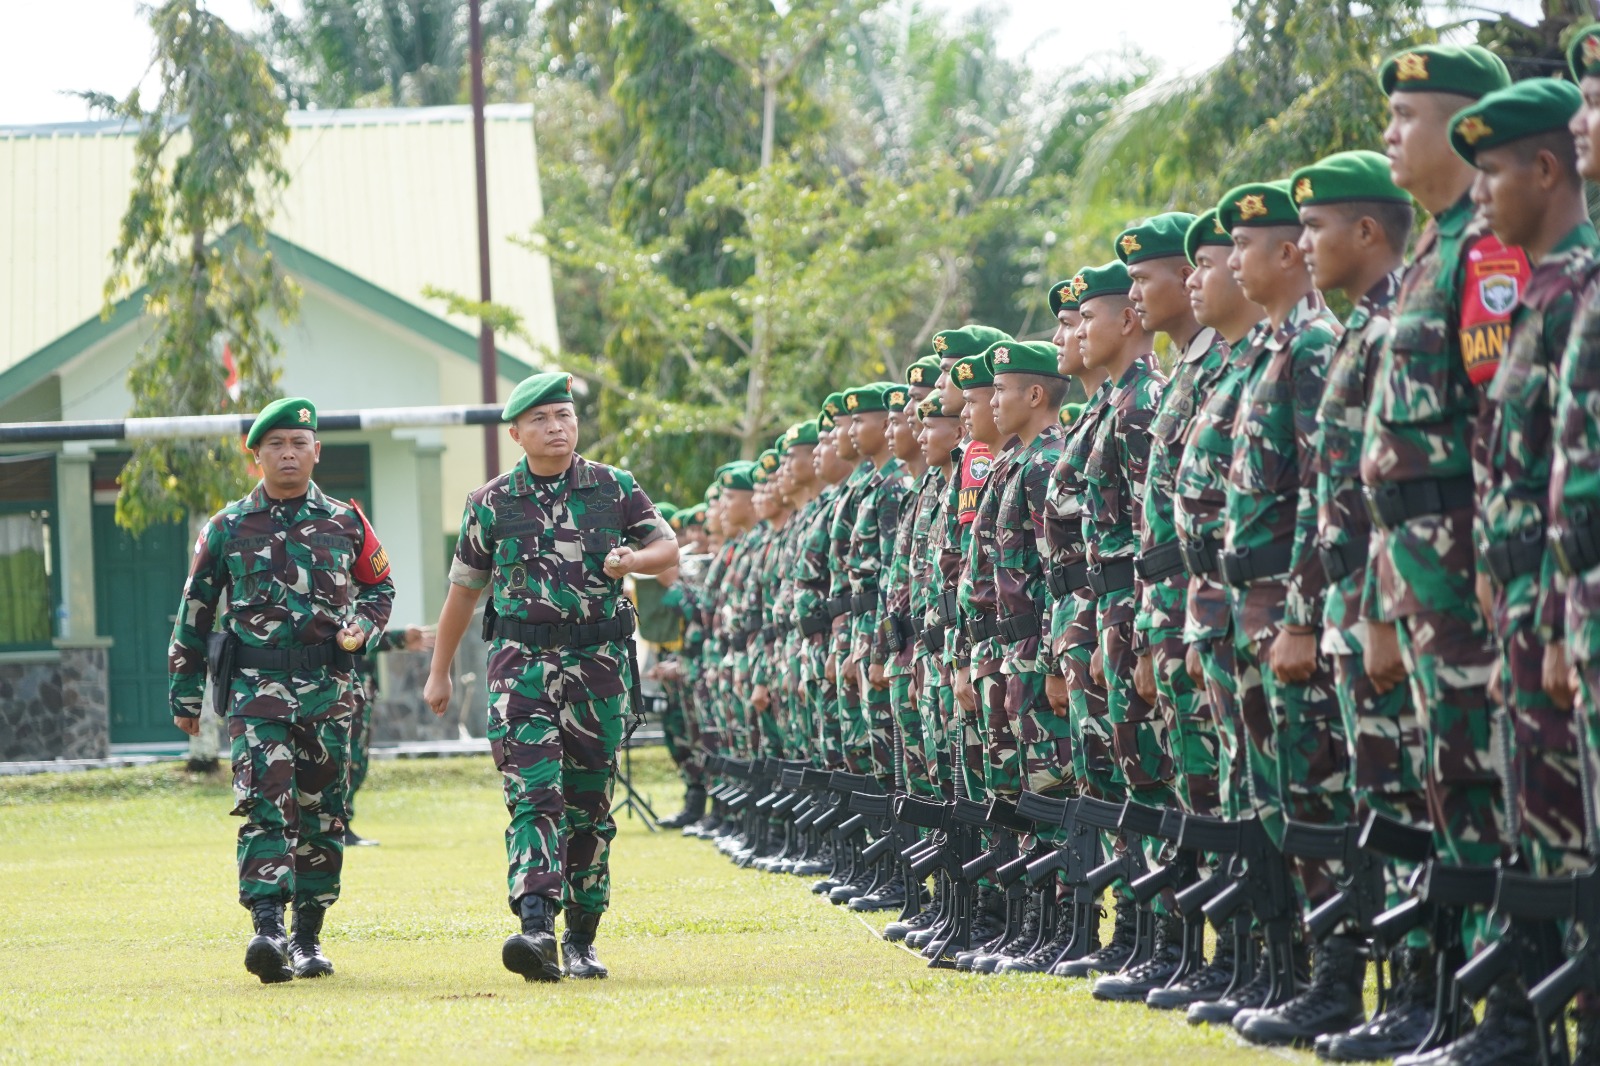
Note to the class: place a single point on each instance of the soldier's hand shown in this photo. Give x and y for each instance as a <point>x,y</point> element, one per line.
<point>619,561</point>
<point>831,671</point>
<point>1384,665</point>
<point>875,676</point>
<point>761,698</point>
<point>1144,677</point>
<point>1055,690</point>
<point>1192,663</point>
<point>851,672</point>
<point>436,693</point>
<point>1097,668</point>
<point>419,639</point>
<point>1557,675</point>
<point>1486,599</point>
<point>966,695</point>
<point>188,725</point>
<point>352,637</point>
<point>1293,656</point>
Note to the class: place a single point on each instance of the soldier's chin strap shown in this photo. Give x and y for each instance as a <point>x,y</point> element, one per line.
<point>635,686</point>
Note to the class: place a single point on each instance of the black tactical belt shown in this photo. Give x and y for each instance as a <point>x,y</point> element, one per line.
<point>1068,578</point>
<point>300,657</point>
<point>1339,561</point>
<point>812,624</point>
<point>1159,563</point>
<point>1575,539</point>
<point>931,637</point>
<point>770,633</point>
<point>837,606</point>
<point>1111,576</point>
<point>948,607</point>
<point>544,635</point>
<point>1017,627</point>
<point>1199,556</point>
<point>1395,503</point>
<point>1240,566</point>
<point>1511,559</point>
<point>865,601</point>
<point>982,627</point>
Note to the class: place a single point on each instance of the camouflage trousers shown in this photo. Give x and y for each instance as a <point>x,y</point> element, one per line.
<point>914,773</point>
<point>1297,756</point>
<point>1586,714</point>
<point>1216,664</point>
<point>935,706</point>
<point>289,785</point>
<point>676,734</point>
<point>967,751</point>
<point>1089,727</point>
<point>360,742</point>
<point>855,731</point>
<point>879,709</point>
<point>1545,773</point>
<point>558,764</point>
<point>1044,739</point>
<point>1449,657</point>
<point>1190,728</point>
<point>1002,763</point>
<point>1386,766</point>
<point>1138,731</point>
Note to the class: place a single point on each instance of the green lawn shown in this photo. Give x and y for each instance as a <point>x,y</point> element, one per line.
<point>120,940</point>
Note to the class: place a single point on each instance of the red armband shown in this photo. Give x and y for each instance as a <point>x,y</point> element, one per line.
<point>1494,280</point>
<point>372,564</point>
<point>976,462</point>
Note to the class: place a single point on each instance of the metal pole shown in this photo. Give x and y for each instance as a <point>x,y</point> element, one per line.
<point>238,425</point>
<point>487,370</point>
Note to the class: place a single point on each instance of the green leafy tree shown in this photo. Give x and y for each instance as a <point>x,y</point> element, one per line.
<point>207,166</point>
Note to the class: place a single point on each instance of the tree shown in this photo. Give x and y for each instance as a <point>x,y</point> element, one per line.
<point>207,165</point>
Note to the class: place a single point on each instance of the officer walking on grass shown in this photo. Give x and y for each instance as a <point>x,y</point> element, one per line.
<point>307,584</point>
<point>553,540</point>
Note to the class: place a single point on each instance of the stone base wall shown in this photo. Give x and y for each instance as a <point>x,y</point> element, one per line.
<point>55,707</point>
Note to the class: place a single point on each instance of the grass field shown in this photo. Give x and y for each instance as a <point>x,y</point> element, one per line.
<point>120,940</point>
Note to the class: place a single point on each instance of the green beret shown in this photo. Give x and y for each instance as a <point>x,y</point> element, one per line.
<point>874,397</point>
<point>1157,237</point>
<point>1463,69</point>
<point>924,372</point>
<point>738,475</point>
<point>968,340</point>
<point>933,407</point>
<point>1583,54</point>
<point>1526,109</point>
<point>693,516</point>
<point>713,491</point>
<point>801,435</point>
<point>1107,279</point>
<point>1259,203</point>
<point>1064,295</point>
<point>764,467</point>
<point>1205,230</point>
<point>833,405</point>
<point>1022,357</point>
<point>1070,413</point>
<point>1347,177</point>
<point>972,372</point>
<point>291,412</point>
<point>668,511</point>
<point>552,386</point>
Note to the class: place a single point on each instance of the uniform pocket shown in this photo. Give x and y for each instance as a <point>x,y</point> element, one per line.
<point>1427,379</point>
<point>250,580</point>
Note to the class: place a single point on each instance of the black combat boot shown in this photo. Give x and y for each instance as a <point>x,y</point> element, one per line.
<point>1248,996</point>
<point>694,809</point>
<point>1024,941</point>
<point>1332,1003</point>
<point>532,952</point>
<point>1507,1034</point>
<point>1202,986</point>
<point>305,951</point>
<point>267,955</point>
<point>891,895</point>
<point>352,840</point>
<point>1404,1020</point>
<point>577,945</point>
<point>1139,981</point>
<point>1115,955</point>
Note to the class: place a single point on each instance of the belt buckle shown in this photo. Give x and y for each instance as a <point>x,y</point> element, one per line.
<point>1386,503</point>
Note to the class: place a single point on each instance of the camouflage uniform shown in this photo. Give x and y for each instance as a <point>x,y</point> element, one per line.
<point>1298,756</point>
<point>1544,780</point>
<point>1418,441</point>
<point>1113,514</point>
<point>905,580</point>
<point>1044,740</point>
<point>1073,632</point>
<point>935,699</point>
<point>556,712</point>
<point>810,611</point>
<point>877,518</point>
<point>1382,728</point>
<point>850,715</point>
<point>974,465</point>
<point>1162,600</point>
<point>290,570</point>
<point>979,616</point>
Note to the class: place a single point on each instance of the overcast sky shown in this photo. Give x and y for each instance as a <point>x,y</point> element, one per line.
<point>57,46</point>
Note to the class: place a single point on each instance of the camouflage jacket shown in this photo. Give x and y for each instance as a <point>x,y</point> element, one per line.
<point>1450,326</point>
<point>291,582</point>
<point>1575,478</point>
<point>896,587</point>
<point>1072,616</point>
<point>1342,516</point>
<point>1272,481</point>
<point>539,545</point>
<point>839,529</point>
<point>1161,603</point>
<point>808,569</point>
<point>871,546</point>
<point>973,468</point>
<point>1114,478</point>
<point>1019,577</point>
<point>927,531</point>
<point>975,590</point>
<point>1202,492</point>
<point>1521,431</point>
